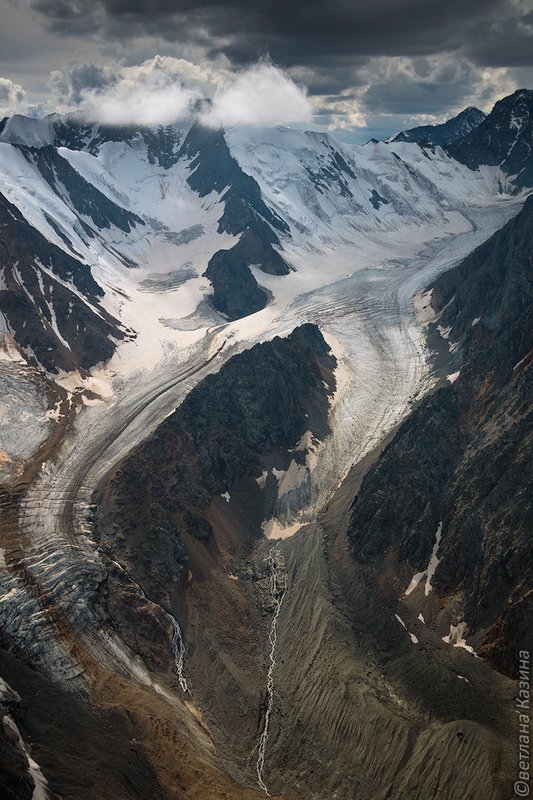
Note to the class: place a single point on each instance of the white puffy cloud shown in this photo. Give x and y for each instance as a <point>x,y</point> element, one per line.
<point>12,97</point>
<point>158,102</point>
<point>164,89</point>
<point>260,95</point>
<point>159,91</point>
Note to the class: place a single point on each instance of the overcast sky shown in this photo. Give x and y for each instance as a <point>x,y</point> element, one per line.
<point>360,68</point>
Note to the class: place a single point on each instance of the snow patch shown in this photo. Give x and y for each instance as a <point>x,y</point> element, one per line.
<point>433,561</point>
<point>55,412</point>
<point>226,496</point>
<point>273,529</point>
<point>292,478</point>
<point>456,637</point>
<point>415,580</point>
<point>429,572</point>
<point>453,377</point>
<point>519,363</point>
<point>41,785</point>
<point>262,479</point>
<point>413,638</point>
<point>73,382</point>
<point>423,308</point>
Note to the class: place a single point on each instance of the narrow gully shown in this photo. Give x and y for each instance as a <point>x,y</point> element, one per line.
<point>278,590</point>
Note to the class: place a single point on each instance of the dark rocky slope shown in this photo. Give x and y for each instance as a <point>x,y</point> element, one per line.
<point>504,139</point>
<point>83,751</point>
<point>450,132</point>
<point>349,684</point>
<point>213,169</point>
<point>163,518</point>
<point>50,300</point>
<point>464,456</point>
<point>156,512</point>
<point>79,194</point>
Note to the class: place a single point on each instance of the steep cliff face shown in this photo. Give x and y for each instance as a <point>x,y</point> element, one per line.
<point>236,292</point>
<point>16,782</point>
<point>158,509</point>
<point>89,752</point>
<point>503,138</point>
<point>450,132</point>
<point>50,300</point>
<point>460,462</point>
<point>84,198</point>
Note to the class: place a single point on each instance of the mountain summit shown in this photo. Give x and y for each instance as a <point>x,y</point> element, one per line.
<point>504,139</point>
<point>450,132</point>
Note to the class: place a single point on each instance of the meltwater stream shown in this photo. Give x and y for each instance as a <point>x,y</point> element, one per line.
<point>278,589</point>
<point>178,649</point>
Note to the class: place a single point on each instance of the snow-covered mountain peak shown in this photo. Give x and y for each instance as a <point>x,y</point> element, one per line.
<point>183,228</point>
<point>29,131</point>
<point>447,133</point>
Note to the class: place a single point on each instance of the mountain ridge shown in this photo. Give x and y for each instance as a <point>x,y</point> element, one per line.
<point>446,133</point>
<point>237,463</point>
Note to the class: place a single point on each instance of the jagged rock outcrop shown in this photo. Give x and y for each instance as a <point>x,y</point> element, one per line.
<point>503,139</point>
<point>463,456</point>
<point>233,425</point>
<point>15,779</point>
<point>82,196</point>
<point>50,300</point>
<point>236,292</point>
<point>450,132</point>
<point>82,751</point>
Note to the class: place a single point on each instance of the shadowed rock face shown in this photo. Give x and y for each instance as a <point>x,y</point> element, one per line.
<point>215,170</point>
<point>83,197</point>
<point>450,132</point>
<point>236,292</point>
<point>233,425</point>
<point>15,780</point>
<point>162,144</point>
<point>463,457</point>
<point>50,322</point>
<point>503,138</point>
<point>88,752</point>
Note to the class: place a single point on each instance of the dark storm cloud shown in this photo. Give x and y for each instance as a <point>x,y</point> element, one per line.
<point>70,84</point>
<point>421,85</point>
<point>310,32</point>
<point>377,62</point>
